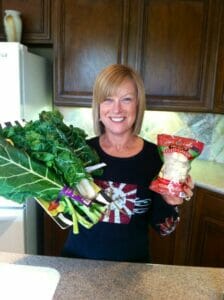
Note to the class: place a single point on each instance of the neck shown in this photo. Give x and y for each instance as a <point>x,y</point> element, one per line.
<point>118,142</point>
<point>121,146</point>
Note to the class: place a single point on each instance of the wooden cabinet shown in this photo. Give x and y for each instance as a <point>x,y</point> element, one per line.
<point>219,88</point>
<point>36,16</point>
<point>89,36</point>
<point>172,249</point>
<point>175,45</point>
<point>207,234</point>
<point>53,237</point>
<point>199,238</point>
<point>178,56</point>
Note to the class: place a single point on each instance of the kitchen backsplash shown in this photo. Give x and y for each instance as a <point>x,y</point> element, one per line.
<point>208,128</point>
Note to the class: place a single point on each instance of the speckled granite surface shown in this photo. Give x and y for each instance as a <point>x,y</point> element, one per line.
<point>86,279</point>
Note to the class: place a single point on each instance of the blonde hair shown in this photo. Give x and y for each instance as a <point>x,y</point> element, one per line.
<point>106,84</point>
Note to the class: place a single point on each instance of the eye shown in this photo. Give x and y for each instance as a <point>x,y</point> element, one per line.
<point>127,99</point>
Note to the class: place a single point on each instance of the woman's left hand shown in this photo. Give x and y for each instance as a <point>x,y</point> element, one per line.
<point>188,187</point>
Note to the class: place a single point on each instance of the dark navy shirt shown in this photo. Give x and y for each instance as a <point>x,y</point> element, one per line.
<point>122,234</point>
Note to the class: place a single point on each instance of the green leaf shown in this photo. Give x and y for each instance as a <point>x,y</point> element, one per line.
<point>74,137</point>
<point>45,141</point>
<point>22,178</point>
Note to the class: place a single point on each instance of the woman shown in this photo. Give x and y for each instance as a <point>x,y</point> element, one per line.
<point>131,164</point>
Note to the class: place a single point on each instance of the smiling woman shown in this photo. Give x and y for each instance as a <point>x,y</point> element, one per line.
<point>118,112</point>
<point>118,107</point>
<point>108,84</point>
<point>131,164</point>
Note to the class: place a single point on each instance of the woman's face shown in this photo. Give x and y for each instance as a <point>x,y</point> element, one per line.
<point>118,111</point>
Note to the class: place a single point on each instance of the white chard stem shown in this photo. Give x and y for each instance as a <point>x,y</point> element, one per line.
<point>86,189</point>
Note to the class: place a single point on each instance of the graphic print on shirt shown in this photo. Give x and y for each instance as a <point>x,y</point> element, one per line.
<point>124,203</point>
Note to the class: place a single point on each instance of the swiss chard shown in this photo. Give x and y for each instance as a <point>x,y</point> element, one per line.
<point>22,178</point>
<point>74,137</point>
<point>48,158</point>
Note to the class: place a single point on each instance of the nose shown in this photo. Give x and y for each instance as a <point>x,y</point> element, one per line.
<point>117,106</point>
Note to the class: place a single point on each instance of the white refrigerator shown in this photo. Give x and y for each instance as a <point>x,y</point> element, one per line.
<point>25,90</point>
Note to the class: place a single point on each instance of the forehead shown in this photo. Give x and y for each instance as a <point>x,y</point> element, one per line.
<point>127,86</point>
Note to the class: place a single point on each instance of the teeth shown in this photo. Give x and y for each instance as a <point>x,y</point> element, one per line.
<point>117,119</point>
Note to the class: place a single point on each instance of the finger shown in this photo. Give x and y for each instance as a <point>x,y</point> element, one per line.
<point>188,191</point>
<point>189,182</point>
<point>173,200</point>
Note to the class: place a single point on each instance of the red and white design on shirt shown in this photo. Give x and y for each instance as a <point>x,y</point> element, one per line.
<point>124,196</point>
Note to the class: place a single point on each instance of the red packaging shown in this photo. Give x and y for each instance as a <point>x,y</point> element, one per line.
<point>177,154</point>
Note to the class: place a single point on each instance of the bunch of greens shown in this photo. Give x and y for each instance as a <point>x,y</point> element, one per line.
<point>61,147</point>
<point>46,156</point>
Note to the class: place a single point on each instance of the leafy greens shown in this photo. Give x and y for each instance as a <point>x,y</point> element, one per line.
<point>60,147</point>
<point>22,178</point>
<point>47,157</point>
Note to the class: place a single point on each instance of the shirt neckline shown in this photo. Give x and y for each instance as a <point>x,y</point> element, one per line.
<point>120,158</point>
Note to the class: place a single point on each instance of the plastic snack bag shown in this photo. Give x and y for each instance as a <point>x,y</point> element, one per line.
<point>177,154</point>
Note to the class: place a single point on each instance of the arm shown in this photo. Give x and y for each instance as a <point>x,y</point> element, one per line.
<point>164,214</point>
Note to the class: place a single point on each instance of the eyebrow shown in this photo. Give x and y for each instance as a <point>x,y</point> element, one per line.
<point>125,95</point>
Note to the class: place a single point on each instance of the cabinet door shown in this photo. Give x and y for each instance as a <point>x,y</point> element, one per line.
<point>89,36</point>
<point>179,43</point>
<point>53,237</point>
<point>207,242</point>
<point>36,17</point>
<point>219,91</point>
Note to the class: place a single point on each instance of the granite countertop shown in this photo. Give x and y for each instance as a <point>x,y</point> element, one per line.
<point>208,174</point>
<point>91,279</point>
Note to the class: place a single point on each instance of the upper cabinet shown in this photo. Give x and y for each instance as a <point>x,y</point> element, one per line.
<point>178,54</point>
<point>219,87</point>
<point>176,45</point>
<point>89,36</point>
<point>36,17</point>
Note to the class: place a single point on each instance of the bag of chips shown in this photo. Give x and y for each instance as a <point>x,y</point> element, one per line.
<point>177,154</point>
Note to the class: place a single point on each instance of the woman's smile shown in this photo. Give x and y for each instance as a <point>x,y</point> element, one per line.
<point>117,119</point>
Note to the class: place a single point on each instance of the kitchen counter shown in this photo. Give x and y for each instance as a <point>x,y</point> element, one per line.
<point>91,279</point>
<point>208,174</point>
